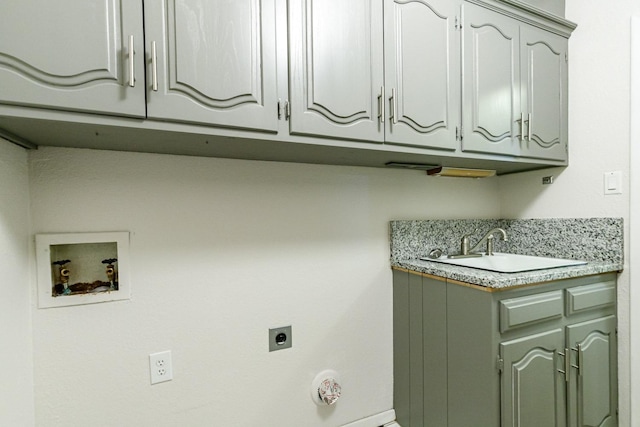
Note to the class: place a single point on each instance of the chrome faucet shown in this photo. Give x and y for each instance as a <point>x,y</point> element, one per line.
<point>466,251</point>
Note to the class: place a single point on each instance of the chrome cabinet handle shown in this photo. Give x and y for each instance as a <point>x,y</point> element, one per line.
<point>381,105</point>
<point>567,364</point>
<point>529,127</point>
<point>578,366</point>
<point>154,67</point>
<point>132,69</point>
<point>287,110</point>
<point>394,106</point>
<point>521,126</point>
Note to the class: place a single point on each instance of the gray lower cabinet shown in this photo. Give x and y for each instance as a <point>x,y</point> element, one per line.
<point>515,87</point>
<point>542,355</point>
<point>533,394</point>
<point>73,54</point>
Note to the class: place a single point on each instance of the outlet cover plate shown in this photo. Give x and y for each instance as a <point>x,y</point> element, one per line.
<point>160,367</point>
<point>280,338</point>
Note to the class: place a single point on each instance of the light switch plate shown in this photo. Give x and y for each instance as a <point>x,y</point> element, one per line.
<point>613,182</point>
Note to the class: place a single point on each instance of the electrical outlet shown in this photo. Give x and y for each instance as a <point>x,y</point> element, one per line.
<point>280,338</point>
<point>160,367</point>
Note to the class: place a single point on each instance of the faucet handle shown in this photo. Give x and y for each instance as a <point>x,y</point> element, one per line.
<point>464,242</point>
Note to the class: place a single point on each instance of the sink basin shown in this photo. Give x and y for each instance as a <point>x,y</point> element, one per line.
<point>508,263</point>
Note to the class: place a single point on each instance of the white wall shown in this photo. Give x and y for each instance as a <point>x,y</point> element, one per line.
<point>599,85</point>
<point>16,389</point>
<point>222,250</point>
<point>634,241</point>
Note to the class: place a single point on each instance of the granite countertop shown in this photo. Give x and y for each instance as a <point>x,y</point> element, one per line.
<point>491,279</point>
<point>599,241</point>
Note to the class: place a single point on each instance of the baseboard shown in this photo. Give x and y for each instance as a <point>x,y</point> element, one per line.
<point>386,419</point>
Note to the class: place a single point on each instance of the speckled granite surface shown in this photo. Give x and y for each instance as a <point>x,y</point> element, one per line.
<point>596,240</point>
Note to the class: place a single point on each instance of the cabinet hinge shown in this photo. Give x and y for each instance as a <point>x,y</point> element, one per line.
<point>458,23</point>
<point>284,108</point>
<point>500,364</point>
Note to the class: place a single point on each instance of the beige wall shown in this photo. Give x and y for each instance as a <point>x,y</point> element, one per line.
<point>16,391</point>
<point>221,251</point>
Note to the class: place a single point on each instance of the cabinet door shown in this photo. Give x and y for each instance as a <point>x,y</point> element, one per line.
<point>215,62</point>
<point>491,82</point>
<point>533,391</point>
<point>73,55</point>
<point>422,72</point>
<point>593,385</point>
<point>336,68</point>
<point>544,93</point>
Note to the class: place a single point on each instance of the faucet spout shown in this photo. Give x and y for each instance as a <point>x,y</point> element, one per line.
<point>488,237</point>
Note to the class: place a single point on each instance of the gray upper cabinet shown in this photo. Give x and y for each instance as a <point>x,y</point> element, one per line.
<point>544,93</point>
<point>73,55</point>
<point>514,87</point>
<point>212,62</point>
<point>336,68</point>
<point>491,76</point>
<point>354,76</point>
<point>422,73</point>
<point>464,83</point>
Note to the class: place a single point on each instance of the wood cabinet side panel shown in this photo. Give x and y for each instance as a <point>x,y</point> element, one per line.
<point>401,344</point>
<point>416,349</point>
<point>473,381</point>
<point>434,326</point>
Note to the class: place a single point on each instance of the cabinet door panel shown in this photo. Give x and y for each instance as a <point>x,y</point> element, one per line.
<point>336,68</point>
<point>72,55</point>
<point>533,392</point>
<point>491,94</point>
<point>422,67</point>
<point>544,93</point>
<point>216,62</point>
<point>592,390</point>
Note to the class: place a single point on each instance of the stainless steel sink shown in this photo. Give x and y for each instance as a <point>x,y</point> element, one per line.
<point>508,263</point>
